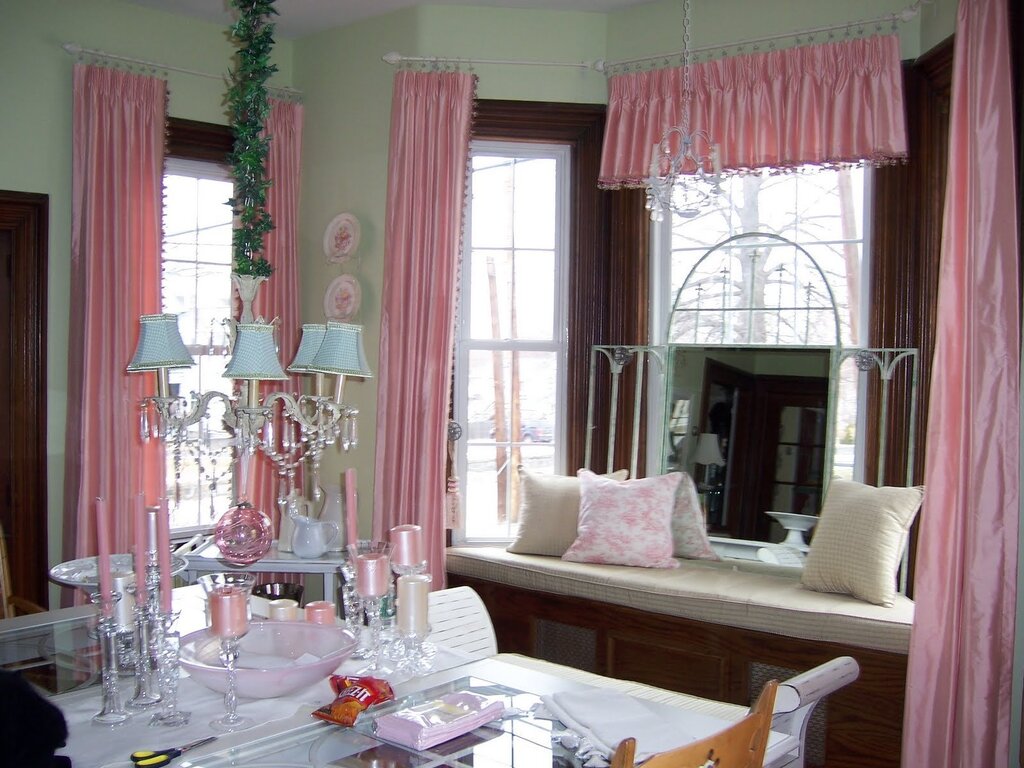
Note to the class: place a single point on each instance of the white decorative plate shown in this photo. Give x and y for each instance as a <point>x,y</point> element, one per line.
<point>341,238</point>
<point>83,572</point>
<point>341,302</point>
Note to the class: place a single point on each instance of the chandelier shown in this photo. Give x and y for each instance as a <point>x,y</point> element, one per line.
<point>292,430</point>
<point>685,167</point>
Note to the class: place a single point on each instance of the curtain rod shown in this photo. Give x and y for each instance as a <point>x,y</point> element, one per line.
<point>395,58</point>
<point>907,14</point>
<point>600,65</point>
<point>76,50</point>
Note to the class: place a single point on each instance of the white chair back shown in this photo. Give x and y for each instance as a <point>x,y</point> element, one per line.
<point>459,620</point>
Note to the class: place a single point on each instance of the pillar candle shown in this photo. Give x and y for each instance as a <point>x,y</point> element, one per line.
<point>229,612</point>
<point>103,557</point>
<point>141,538</point>
<point>407,545</point>
<point>163,549</point>
<point>373,572</point>
<point>412,604</point>
<point>351,507</point>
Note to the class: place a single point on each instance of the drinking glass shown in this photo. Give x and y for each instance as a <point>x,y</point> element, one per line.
<point>228,598</point>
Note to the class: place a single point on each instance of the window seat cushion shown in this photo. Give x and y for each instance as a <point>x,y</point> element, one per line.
<point>727,593</point>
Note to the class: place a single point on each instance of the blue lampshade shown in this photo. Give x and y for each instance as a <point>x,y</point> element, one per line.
<point>312,337</point>
<point>341,352</point>
<point>254,355</point>
<point>160,345</point>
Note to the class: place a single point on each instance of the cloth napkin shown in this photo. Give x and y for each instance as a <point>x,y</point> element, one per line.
<point>604,718</point>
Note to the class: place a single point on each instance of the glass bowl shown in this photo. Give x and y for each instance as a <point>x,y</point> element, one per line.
<point>275,658</point>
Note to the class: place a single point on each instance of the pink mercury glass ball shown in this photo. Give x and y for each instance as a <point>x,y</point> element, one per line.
<point>243,534</point>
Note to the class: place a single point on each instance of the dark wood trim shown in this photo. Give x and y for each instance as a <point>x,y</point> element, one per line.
<point>906,243</point>
<point>197,140</point>
<point>25,216</point>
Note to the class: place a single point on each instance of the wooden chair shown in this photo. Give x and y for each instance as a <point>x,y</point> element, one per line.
<point>11,605</point>
<point>741,745</point>
<point>459,620</point>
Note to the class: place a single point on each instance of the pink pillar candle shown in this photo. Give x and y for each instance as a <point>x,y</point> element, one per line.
<point>103,557</point>
<point>163,549</point>
<point>407,545</point>
<point>141,541</point>
<point>412,604</point>
<point>229,611</point>
<point>351,507</point>
<point>321,612</point>
<point>373,573</point>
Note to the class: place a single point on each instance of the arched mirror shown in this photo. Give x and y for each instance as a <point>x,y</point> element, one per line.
<point>763,402</point>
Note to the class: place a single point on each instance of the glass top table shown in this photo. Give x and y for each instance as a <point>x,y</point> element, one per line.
<point>519,740</point>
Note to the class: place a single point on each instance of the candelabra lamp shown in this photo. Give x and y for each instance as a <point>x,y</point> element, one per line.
<point>291,430</point>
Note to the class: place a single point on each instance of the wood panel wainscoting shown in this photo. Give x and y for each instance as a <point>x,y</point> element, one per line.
<point>860,726</point>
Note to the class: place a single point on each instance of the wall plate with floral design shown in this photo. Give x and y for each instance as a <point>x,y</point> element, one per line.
<point>341,238</point>
<point>341,302</point>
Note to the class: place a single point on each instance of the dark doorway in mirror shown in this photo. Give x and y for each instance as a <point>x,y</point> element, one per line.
<point>771,434</point>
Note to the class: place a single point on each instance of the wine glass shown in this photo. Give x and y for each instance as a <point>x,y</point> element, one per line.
<point>228,598</point>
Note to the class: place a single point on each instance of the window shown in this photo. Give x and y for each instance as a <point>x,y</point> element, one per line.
<point>196,287</point>
<point>511,339</point>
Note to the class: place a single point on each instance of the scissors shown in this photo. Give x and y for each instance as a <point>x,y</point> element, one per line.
<point>150,758</point>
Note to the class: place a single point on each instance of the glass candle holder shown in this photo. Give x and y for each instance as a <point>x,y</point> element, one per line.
<point>228,598</point>
<point>112,711</point>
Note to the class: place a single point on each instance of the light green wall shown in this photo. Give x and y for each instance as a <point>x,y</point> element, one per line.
<point>347,94</point>
<point>35,133</point>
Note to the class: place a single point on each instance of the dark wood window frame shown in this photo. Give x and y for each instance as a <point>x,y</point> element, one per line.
<point>608,272</point>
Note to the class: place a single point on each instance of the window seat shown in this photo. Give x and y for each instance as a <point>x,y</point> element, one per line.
<point>713,630</point>
<point>733,593</point>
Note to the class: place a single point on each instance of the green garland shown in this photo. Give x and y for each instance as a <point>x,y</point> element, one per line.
<point>248,108</point>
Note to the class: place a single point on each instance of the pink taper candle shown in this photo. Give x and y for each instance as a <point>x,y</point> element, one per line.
<point>163,558</point>
<point>229,612</point>
<point>141,543</point>
<point>373,573</point>
<point>407,545</point>
<point>351,507</point>
<point>103,557</point>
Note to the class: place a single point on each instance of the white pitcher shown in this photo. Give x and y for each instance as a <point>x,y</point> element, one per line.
<point>312,537</point>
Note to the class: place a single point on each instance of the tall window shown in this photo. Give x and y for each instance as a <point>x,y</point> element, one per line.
<point>196,287</point>
<point>510,350</point>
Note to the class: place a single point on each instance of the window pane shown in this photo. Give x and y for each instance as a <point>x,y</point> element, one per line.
<point>509,351</point>
<point>196,287</point>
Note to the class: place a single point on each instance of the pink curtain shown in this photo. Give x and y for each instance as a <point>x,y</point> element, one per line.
<point>279,296</point>
<point>431,113</point>
<point>117,187</point>
<point>821,104</point>
<point>961,650</point>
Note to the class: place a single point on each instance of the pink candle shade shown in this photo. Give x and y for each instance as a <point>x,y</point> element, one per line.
<point>351,507</point>
<point>373,573</point>
<point>163,548</point>
<point>407,545</point>
<point>103,558</point>
<point>229,612</point>
<point>141,541</point>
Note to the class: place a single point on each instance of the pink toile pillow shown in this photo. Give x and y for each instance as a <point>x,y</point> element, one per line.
<point>626,522</point>
<point>689,530</point>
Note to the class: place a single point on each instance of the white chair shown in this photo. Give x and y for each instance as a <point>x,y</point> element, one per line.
<point>799,695</point>
<point>459,621</point>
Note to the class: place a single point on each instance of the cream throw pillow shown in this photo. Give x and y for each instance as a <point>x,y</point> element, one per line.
<point>549,509</point>
<point>859,540</point>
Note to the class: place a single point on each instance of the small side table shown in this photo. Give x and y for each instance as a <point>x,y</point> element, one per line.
<point>207,559</point>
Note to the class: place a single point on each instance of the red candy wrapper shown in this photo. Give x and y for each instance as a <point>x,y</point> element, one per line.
<point>353,696</point>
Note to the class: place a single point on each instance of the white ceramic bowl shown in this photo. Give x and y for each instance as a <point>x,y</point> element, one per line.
<point>275,657</point>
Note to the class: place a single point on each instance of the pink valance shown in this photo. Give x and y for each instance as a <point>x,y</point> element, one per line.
<point>828,104</point>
